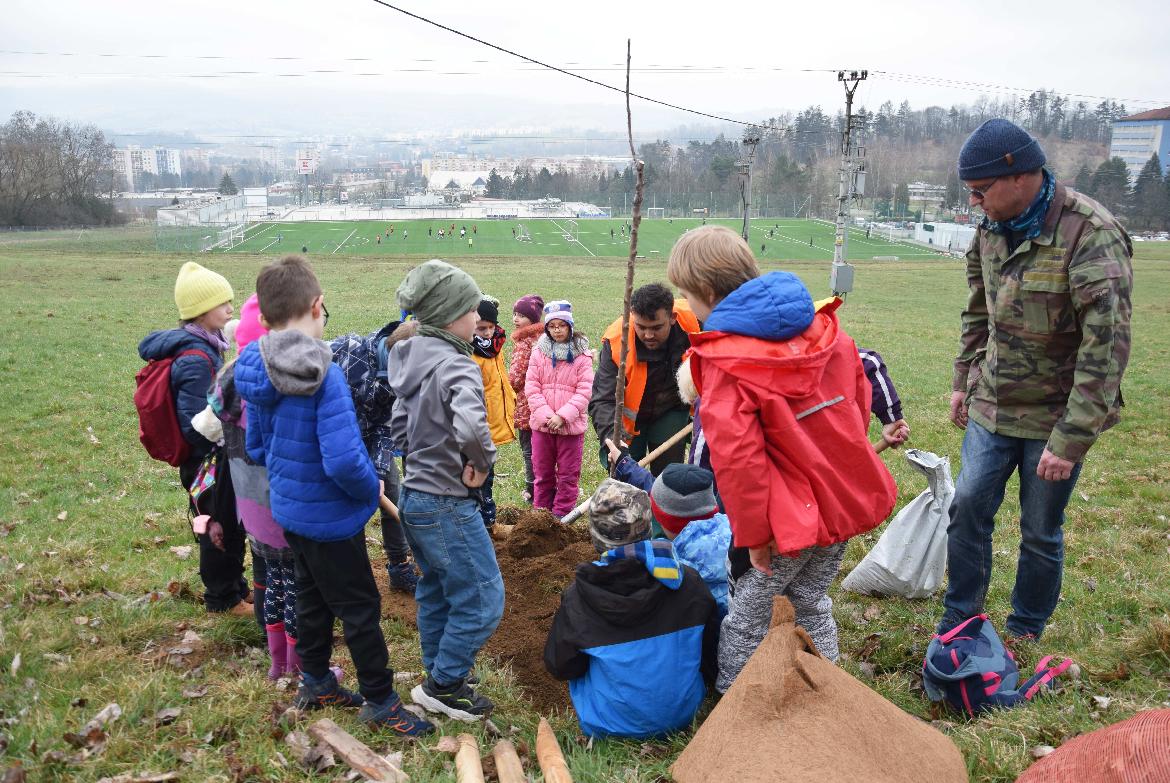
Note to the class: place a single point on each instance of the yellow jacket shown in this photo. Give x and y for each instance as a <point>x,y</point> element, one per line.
<point>499,397</point>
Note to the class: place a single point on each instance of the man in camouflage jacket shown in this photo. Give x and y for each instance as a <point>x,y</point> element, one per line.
<point>1044,345</point>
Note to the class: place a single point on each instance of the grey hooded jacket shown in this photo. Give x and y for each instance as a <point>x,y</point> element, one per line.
<point>439,419</point>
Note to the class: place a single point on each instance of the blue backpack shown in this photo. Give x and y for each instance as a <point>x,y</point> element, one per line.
<point>969,667</point>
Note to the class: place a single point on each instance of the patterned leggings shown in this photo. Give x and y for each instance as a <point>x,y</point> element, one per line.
<point>280,595</point>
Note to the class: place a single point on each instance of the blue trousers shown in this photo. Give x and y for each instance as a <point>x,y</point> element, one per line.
<point>989,460</point>
<point>460,596</point>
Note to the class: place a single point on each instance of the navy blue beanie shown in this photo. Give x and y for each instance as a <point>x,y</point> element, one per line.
<point>998,148</point>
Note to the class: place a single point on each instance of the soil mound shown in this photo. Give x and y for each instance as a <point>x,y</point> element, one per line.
<point>537,533</point>
<point>537,560</point>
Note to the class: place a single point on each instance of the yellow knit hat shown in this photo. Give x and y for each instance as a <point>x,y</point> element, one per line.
<point>198,290</point>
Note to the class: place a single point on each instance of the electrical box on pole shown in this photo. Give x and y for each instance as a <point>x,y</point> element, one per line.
<point>851,184</point>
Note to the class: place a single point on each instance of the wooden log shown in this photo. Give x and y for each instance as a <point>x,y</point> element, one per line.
<point>658,452</point>
<point>356,754</point>
<point>467,766</point>
<point>508,766</point>
<point>548,755</point>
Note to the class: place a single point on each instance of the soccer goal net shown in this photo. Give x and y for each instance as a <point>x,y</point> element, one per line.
<point>571,232</point>
<point>522,234</point>
<point>227,238</point>
<point>656,212</point>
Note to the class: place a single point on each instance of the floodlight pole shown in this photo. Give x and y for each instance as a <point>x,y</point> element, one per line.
<point>841,276</point>
<point>751,137</point>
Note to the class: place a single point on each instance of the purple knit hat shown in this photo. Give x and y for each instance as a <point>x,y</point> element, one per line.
<point>530,306</point>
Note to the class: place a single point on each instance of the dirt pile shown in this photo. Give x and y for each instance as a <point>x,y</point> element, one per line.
<point>537,559</point>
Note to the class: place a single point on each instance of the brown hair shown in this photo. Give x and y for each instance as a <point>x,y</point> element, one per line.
<point>286,290</point>
<point>711,261</point>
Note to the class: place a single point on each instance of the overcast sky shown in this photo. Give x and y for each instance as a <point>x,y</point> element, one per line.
<point>353,66</point>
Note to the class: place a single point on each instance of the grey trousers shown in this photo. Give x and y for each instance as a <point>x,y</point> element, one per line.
<point>804,580</point>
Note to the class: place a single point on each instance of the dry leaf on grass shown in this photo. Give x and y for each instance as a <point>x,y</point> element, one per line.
<point>1040,751</point>
<point>145,777</point>
<point>872,612</point>
<point>167,716</point>
<point>196,692</point>
<point>62,516</point>
<point>181,552</point>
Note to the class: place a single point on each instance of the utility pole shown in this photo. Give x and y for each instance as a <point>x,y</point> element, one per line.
<point>851,184</point>
<point>751,137</point>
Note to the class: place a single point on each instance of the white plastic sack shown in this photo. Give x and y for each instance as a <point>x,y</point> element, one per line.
<point>910,558</point>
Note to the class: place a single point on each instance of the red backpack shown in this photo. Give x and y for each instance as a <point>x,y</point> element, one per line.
<point>158,418</point>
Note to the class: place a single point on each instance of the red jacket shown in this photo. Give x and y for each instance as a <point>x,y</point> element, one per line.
<point>786,422</point>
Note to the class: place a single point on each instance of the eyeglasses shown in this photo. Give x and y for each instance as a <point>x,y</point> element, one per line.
<point>324,312</point>
<point>979,193</point>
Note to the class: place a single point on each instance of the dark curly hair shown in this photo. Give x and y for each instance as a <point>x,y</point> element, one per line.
<point>651,298</point>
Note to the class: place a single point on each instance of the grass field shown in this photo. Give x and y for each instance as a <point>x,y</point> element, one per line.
<point>88,522</point>
<point>771,239</point>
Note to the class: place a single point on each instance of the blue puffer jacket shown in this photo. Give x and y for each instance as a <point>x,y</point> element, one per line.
<point>191,377</point>
<point>703,545</point>
<point>302,426</point>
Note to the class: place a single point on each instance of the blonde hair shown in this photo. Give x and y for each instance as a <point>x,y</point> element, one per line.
<point>711,261</point>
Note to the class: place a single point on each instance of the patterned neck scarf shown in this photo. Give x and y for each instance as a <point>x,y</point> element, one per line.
<point>489,347</point>
<point>1030,222</point>
<point>657,555</point>
<point>215,339</point>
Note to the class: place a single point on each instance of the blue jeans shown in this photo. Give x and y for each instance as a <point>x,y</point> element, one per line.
<point>989,459</point>
<point>460,596</point>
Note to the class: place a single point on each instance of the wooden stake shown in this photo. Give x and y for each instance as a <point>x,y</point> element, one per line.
<point>658,452</point>
<point>636,220</point>
<point>356,754</point>
<point>548,755</point>
<point>467,766</point>
<point>508,766</point>
<point>388,506</point>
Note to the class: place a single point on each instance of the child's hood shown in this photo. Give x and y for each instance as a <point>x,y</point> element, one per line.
<point>168,342</point>
<point>286,362</point>
<point>791,367</point>
<point>776,306</point>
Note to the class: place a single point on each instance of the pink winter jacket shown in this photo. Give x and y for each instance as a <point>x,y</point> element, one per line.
<point>563,390</point>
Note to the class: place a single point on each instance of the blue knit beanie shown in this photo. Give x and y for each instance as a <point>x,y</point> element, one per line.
<point>998,148</point>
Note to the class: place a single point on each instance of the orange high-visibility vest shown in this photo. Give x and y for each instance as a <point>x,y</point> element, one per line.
<point>636,370</point>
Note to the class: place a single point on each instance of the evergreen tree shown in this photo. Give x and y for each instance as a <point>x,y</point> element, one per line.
<point>1111,185</point>
<point>1151,200</point>
<point>495,185</point>
<point>1084,181</point>
<point>226,186</point>
<point>901,199</point>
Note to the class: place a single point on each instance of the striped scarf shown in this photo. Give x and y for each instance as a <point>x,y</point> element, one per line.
<point>658,557</point>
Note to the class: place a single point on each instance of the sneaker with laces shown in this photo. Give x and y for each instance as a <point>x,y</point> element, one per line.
<point>313,694</point>
<point>391,715</point>
<point>458,701</point>
<point>402,576</point>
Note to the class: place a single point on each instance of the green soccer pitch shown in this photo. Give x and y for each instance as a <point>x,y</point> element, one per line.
<point>806,240</point>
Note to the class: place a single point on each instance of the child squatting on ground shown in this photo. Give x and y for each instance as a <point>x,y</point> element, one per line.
<point>558,386</point>
<point>787,406</point>
<point>499,397</point>
<point>204,301</point>
<point>440,423</point>
<point>323,489</point>
<point>526,330</point>
<point>635,634</point>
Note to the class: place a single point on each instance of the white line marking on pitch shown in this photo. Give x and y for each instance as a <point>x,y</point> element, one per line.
<point>351,233</point>
<point>578,241</point>
<point>270,244</point>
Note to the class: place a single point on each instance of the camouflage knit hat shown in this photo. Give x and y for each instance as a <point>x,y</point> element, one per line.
<point>619,514</point>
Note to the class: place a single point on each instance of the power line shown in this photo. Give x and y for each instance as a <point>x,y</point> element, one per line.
<point>939,81</point>
<point>560,70</point>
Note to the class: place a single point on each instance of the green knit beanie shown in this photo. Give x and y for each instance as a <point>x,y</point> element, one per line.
<point>437,293</point>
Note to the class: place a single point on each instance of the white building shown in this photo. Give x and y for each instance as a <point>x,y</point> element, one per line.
<point>132,162</point>
<point>952,237</point>
<point>1137,137</point>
